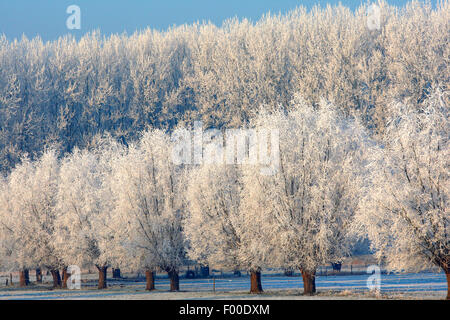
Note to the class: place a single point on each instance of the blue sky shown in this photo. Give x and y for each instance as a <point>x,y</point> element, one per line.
<point>47,18</point>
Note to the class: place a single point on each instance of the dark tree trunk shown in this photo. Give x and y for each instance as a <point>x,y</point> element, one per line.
<point>255,282</point>
<point>174,281</point>
<point>24,278</point>
<point>102,277</point>
<point>56,278</point>
<point>447,274</point>
<point>309,282</point>
<point>38,275</point>
<point>65,277</point>
<point>150,279</point>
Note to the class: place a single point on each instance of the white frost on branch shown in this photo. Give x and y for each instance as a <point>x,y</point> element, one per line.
<point>406,210</point>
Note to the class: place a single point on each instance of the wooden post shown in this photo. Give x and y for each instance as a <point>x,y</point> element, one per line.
<point>116,273</point>
<point>38,275</point>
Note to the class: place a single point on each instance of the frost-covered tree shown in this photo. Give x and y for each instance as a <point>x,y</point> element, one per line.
<point>304,210</point>
<point>405,212</point>
<point>219,234</point>
<point>28,215</point>
<point>86,225</point>
<point>149,207</point>
<point>6,233</point>
<point>67,91</point>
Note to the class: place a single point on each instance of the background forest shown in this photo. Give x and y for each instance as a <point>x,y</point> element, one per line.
<point>67,92</point>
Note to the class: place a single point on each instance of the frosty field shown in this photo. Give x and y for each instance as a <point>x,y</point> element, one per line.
<point>393,286</point>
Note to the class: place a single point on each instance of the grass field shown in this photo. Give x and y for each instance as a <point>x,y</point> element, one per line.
<point>393,286</point>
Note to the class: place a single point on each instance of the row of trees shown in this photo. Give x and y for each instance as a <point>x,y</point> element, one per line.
<point>130,206</point>
<point>67,91</point>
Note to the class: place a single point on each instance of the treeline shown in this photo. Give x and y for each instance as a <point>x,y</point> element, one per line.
<point>325,184</point>
<point>66,92</point>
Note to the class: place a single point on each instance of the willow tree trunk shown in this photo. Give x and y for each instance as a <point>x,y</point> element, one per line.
<point>447,274</point>
<point>102,277</point>
<point>56,278</point>
<point>255,282</point>
<point>38,276</point>
<point>174,281</point>
<point>150,279</point>
<point>24,278</point>
<point>65,278</point>
<point>309,282</point>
